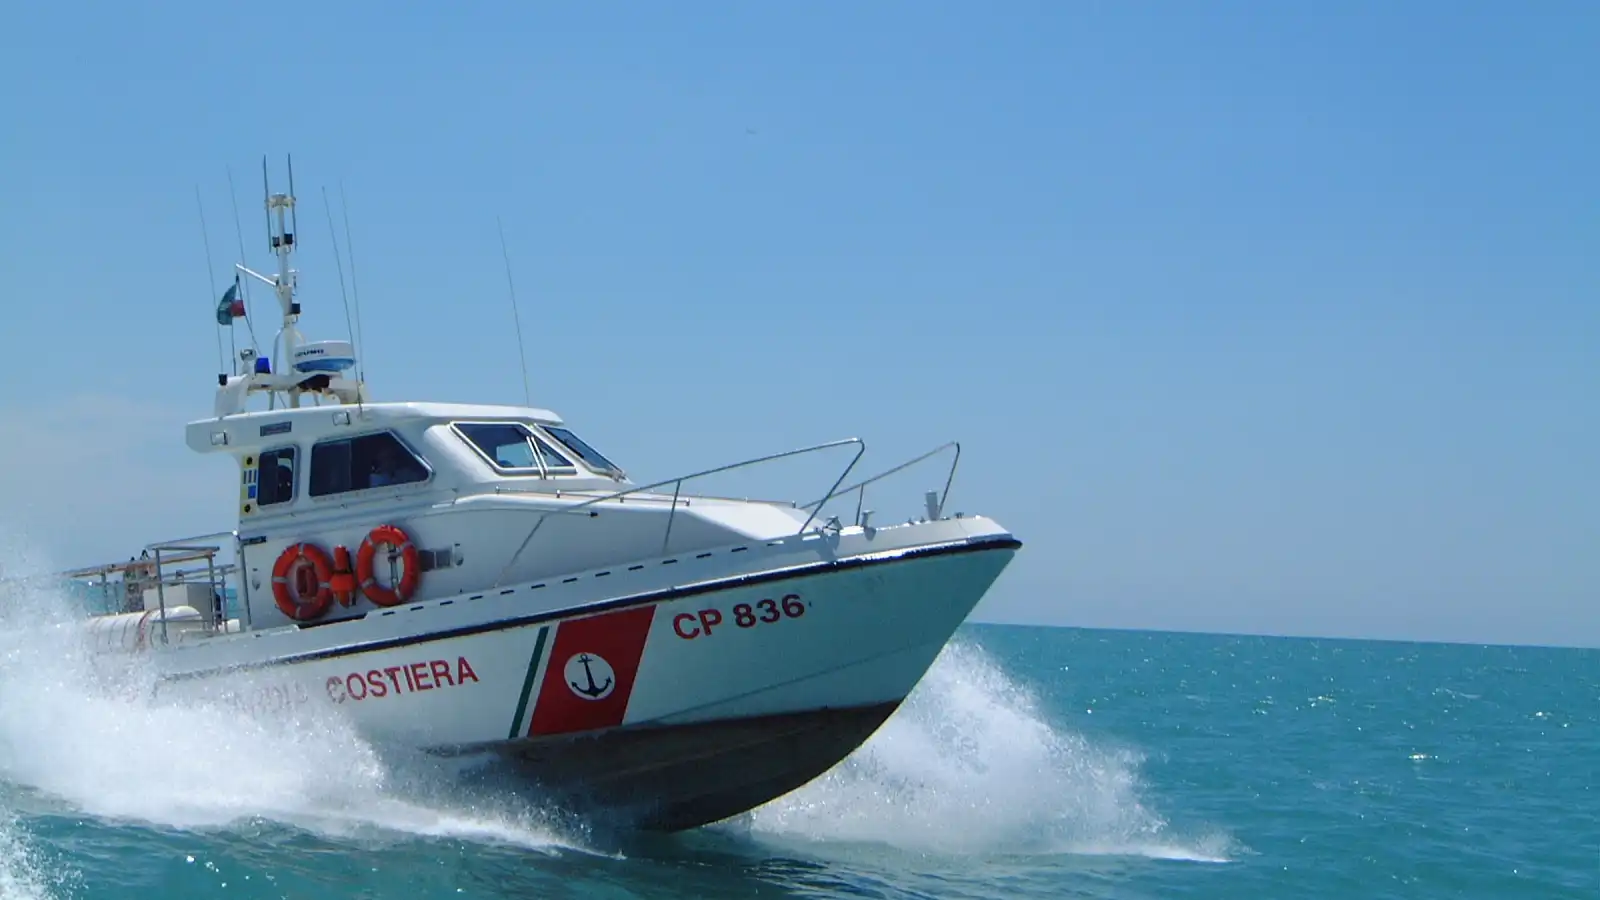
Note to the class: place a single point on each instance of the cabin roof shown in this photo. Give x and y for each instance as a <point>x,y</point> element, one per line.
<point>259,428</point>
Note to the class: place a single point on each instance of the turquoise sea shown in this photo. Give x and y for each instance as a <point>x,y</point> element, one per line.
<point>1032,762</point>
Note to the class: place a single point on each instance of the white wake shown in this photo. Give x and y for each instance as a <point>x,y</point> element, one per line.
<point>970,765</point>
<point>92,739</point>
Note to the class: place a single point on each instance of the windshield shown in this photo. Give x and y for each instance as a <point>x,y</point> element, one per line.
<point>513,447</point>
<point>588,454</point>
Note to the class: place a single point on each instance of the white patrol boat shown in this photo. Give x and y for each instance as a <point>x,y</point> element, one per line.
<point>476,579</point>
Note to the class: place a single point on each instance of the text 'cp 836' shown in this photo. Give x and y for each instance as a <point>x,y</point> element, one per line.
<point>768,611</point>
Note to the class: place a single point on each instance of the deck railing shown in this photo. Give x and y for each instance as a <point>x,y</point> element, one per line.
<point>147,571</point>
<point>934,504</point>
<point>191,548</point>
<point>677,494</point>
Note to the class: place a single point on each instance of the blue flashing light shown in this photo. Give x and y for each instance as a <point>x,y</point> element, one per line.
<point>263,365</point>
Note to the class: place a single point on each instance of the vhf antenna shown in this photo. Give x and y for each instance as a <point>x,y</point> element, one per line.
<point>294,211</point>
<point>516,319</point>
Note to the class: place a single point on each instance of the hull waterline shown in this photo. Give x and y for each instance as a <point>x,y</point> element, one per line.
<point>678,777</point>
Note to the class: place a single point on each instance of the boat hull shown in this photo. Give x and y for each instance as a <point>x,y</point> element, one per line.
<point>677,777</point>
<point>672,709</point>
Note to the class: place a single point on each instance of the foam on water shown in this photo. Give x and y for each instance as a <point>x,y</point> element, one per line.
<point>89,735</point>
<point>21,875</point>
<point>969,765</point>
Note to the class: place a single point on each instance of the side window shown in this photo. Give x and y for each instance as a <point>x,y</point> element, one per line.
<point>275,478</point>
<point>359,463</point>
<point>512,446</point>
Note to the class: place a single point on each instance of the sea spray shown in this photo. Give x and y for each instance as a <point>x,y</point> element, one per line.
<point>93,732</point>
<point>970,765</point>
<point>23,876</point>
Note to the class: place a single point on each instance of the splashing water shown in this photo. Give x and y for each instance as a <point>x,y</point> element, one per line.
<point>83,730</point>
<point>22,877</point>
<point>969,765</point>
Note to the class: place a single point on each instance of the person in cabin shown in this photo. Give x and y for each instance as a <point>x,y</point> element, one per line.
<point>390,467</point>
<point>383,467</point>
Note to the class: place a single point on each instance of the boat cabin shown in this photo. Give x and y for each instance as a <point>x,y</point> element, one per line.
<point>322,487</point>
<point>303,461</point>
<point>459,497</point>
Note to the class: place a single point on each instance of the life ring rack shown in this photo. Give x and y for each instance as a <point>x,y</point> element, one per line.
<point>305,600</point>
<point>395,537</point>
<point>290,591</point>
<point>344,579</point>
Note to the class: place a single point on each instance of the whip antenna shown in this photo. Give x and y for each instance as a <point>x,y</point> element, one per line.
<point>527,392</point>
<point>211,277</point>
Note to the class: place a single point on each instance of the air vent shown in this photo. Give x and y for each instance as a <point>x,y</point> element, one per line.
<point>428,560</point>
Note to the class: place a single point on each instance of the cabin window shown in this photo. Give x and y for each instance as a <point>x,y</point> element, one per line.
<point>360,463</point>
<point>585,452</point>
<point>513,447</point>
<point>275,477</point>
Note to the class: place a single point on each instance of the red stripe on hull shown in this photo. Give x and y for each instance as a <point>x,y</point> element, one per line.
<point>591,671</point>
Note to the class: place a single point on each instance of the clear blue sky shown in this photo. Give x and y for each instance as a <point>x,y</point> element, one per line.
<point>1251,317</point>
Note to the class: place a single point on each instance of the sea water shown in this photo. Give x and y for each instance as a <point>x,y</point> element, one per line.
<point>1031,762</point>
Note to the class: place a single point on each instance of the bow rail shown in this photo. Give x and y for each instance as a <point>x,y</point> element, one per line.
<point>935,504</point>
<point>677,494</point>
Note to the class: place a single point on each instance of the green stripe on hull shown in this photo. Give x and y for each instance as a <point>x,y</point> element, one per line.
<point>527,684</point>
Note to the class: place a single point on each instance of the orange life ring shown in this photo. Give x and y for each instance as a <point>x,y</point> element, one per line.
<point>293,601</point>
<point>343,581</point>
<point>403,589</point>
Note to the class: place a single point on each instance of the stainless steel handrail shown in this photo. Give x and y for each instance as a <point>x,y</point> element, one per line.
<point>862,485</point>
<point>547,491</point>
<point>191,545</point>
<point>677,484</point>
<point>180,543</point>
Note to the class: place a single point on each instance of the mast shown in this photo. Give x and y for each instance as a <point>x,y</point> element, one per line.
<point>321,372</point>
<point>280,208</point>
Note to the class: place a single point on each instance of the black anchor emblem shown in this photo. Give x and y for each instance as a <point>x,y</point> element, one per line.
<point>593,691</point>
